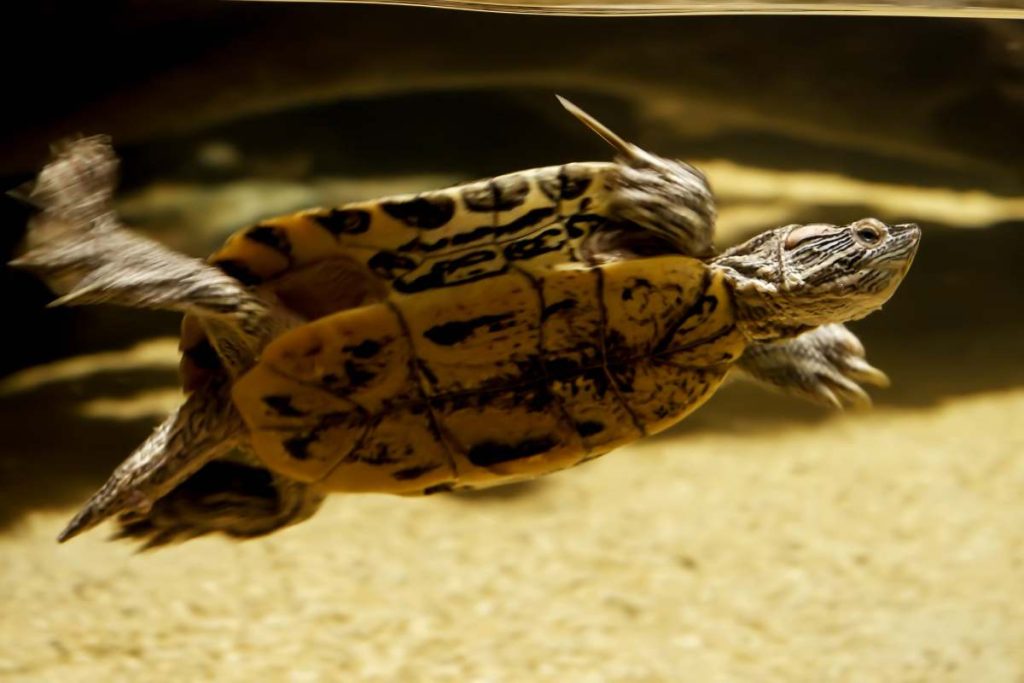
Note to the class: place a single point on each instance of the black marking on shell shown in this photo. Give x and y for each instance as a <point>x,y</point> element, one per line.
<point>598,377</point>
<point>438,275</point>
<point>537,400</point>
<point>389,265</point>
<point>271,236</point>
<point>589,427</point>
<point>358,376</point>
<point>344,221</point>
<point>562,366</point>
<point>510,191</point>
<point>298,446</point>
<point>635,283</point>
<point>489,453</point>
<point>528,220</point>
<point>377,454</point>
<point>414,472</point>
<point>703,305</point>
<point>427,212</point>
<point>552,239</point>
<point>451,333</point>
<point>473,235</point>
<point>543,397</point>
<point>363,350</point>
<point>563,305</point>
<point>447,487</point>
<point>581,224</point>
<point>550,183</point>
<point>480,196</point>
<point>282,405</point>
<point>574,182</point>
<point>238,270</point>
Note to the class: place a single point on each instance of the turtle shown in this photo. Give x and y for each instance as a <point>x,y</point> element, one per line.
<point>477,335</point>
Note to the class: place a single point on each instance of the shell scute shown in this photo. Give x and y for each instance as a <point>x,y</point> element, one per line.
<point>482,351</point>
<point>502,436</point>
<point>483,339</point>
<point>300,430</point>
<point>401,453</point>
<point>599,416</point>
<point>361,354</point>
<point>642,299</point>
<point>660,394</point>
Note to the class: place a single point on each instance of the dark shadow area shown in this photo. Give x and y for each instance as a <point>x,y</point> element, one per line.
<point>53,457</point>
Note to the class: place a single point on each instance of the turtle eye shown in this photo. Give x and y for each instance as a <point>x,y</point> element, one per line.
<point>868,235</point>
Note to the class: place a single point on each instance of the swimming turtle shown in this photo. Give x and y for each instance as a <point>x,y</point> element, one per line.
<point>472,336</point>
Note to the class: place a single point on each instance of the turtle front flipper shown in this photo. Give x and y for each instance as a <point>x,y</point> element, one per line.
<point>652,197</point>
<point>825,365</point>
<point>226,496</point>
<point>78,245</point>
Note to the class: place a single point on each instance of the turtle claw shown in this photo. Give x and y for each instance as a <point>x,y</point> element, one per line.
<point>845,393</point>
<point>825,366</point>
<point>859,370</point>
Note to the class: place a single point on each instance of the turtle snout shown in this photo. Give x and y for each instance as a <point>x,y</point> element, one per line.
<point>910,229</point>
<point>905,239</point>
<point>909,233</point>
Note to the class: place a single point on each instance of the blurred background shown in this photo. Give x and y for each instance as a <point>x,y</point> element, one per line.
<point>762,539</point>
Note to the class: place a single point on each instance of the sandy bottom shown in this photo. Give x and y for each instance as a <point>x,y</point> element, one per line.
<point>880,546</point>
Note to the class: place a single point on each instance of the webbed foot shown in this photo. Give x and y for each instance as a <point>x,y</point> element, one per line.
<point>224,496</point>
<point>205,427</point>
<point>78,245</point>
<point>826,365</point>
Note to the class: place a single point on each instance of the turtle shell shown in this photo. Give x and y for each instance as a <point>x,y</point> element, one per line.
<point>321,261</point>
<point>505,378</point>
<point>458,338</point>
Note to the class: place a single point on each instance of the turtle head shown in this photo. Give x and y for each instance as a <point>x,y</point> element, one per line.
<point>798,277</point>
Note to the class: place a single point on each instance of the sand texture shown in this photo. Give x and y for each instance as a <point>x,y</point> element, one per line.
<point>878,547</point>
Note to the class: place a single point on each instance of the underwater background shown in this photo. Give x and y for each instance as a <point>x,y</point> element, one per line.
<point>762,539</point>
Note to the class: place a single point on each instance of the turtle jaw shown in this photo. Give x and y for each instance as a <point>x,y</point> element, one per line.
<point>908,238</point>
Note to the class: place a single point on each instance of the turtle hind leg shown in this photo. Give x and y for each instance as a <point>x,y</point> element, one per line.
<point>234,498</point>
<point>825,365</point>
<point>205,427</point>
<point>78,245</point>
<point>666,198</point>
